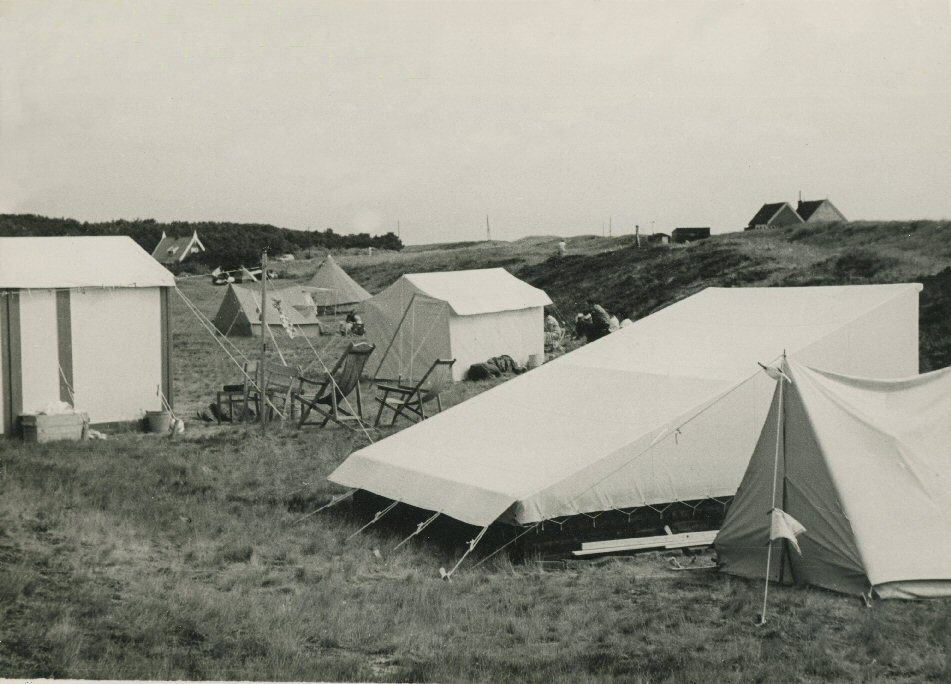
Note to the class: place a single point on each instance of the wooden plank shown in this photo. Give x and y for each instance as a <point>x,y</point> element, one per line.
<point>664,541</point>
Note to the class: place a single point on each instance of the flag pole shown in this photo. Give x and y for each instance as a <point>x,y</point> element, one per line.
<point>769,548</point>
<point>262,389</point>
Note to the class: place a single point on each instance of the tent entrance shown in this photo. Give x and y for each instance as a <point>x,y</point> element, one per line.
<point>419,337</point>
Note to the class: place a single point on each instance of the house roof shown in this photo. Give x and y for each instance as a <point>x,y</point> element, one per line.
<point>767,212</point>
<point>87,261</point>
<point>807,208</point>
<point>172,249</point>
<point>478,291</point>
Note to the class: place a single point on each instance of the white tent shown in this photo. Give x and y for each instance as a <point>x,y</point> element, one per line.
<point>240,311</point>
<point>83,320</point>
<point>469,316</point>
<point>331,287</point>
<point>666,409</point>
<point>864,466</point>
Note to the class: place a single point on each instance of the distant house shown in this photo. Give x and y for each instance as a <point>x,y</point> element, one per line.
<point>172,250</point>
<point>774,215</point>
<point>658,239</point>
<point>819,211</point>
<point>682,235</point>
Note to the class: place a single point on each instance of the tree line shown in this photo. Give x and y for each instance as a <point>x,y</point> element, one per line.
<point>229,245</point>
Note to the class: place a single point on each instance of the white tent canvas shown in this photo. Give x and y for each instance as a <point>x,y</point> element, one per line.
<point>864,466</point>
<point>332,287</point>
<point>84,320</point>
<point>240,311</point>
<point>469,316</point>
<point>666,409</point>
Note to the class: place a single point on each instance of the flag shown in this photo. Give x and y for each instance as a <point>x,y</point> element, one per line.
<point>782,525</point>
<point>286,324</point>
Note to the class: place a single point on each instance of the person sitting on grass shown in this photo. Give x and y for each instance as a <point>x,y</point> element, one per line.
<point>600,320</point>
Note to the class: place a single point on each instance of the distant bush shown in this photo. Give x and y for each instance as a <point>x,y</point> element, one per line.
<point>861,263</point>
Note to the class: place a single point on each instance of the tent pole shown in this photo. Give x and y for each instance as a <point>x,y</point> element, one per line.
<point>769,548</point>
<point>261,389</point>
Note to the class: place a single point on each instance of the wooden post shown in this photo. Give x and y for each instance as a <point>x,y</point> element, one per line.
<point>263,407</point>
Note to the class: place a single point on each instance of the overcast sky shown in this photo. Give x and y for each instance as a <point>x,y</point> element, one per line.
<point>549,117</point>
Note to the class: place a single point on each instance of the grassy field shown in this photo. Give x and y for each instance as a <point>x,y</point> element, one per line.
<point>149,557</point>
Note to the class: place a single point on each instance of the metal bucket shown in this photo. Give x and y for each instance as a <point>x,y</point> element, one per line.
<point>159,421</point>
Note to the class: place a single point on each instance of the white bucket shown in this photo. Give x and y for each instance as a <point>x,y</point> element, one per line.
<point>535,360</point>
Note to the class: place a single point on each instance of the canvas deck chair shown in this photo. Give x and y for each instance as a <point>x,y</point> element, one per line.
<point>410,400</point>
<point>326,394</point>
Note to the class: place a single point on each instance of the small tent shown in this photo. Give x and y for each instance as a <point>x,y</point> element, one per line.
<point>667,409</point>
<point>864,466</point>
<point>83,320</point>
<point>240,311</point>
<point>469,316</point>
<point>331,287</point>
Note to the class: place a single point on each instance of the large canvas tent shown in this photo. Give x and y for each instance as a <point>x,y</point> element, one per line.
<point>469,316</point>
<point>864,466</point>
<point>240,311</point>
<point>666,409</point>
<point>332,288</point>
<point>83,320</point>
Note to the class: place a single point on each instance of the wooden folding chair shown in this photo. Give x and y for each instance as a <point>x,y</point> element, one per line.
<point>238,394</point>
<point>332,389</point>
<point>410,401</point>
<point>278,383</point>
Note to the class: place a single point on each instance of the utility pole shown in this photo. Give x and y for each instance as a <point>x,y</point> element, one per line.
<point>397,228</point>
<point>610,225</point>
<point>488,231</point>
<point>262,407</point>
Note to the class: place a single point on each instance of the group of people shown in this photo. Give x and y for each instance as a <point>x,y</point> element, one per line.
<point>591,324</point>
<point>595,322</point>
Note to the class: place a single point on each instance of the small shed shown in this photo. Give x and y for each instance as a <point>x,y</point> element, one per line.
<point>658,239</point>
<point>174,250</point>
<point>682,235</point>
<point>83,320</point>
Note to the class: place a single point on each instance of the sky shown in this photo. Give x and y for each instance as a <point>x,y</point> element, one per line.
<point>557,118</point>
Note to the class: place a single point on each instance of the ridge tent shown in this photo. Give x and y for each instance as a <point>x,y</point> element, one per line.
<point>332,288</point>
<point>667,409</point>
<point>469,316</point>
<point>864,466</point>
<point>240,311</point>
<point>84,320</point>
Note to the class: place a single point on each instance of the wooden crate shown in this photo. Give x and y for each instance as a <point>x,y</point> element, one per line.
<point>40,428</point>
